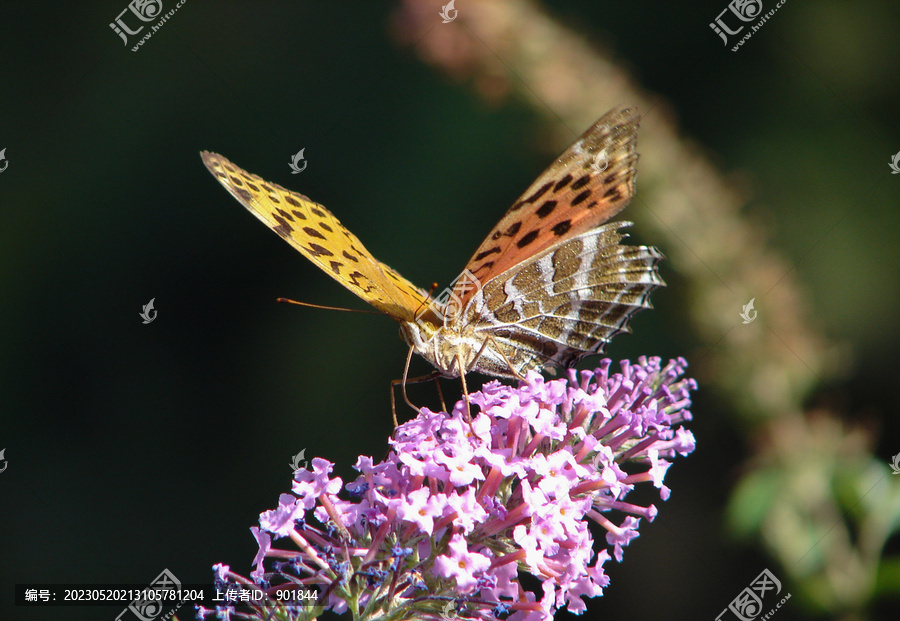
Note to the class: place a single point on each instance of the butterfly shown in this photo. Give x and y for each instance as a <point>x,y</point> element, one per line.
<point>550,284</point>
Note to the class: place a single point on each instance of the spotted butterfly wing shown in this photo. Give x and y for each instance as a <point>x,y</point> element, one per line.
<point>554,283</point>
<point>320,237</point>
<point>585,186</point>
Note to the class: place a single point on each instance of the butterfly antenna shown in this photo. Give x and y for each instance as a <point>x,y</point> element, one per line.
<point>337,308</point>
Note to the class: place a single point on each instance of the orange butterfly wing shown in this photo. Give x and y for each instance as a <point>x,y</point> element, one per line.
<point>574,195</point>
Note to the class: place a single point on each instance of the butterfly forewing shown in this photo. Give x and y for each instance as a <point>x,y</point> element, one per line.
<point>584,187</point>
<point>316,233</point>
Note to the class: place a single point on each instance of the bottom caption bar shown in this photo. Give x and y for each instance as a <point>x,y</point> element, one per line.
<point>141,595</point>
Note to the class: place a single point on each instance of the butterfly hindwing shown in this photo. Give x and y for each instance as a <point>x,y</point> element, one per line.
<point>566,302</point>
<point>318,235</point>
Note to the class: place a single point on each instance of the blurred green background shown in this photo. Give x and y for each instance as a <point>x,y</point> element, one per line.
<point>132,448</point>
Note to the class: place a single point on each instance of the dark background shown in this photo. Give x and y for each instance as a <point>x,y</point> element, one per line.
<point>132,448</point>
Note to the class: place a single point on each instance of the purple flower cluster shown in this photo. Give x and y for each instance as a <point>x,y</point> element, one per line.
<point>445,525</point>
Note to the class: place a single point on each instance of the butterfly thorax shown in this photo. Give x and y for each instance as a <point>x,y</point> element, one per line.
<point>444,346</point>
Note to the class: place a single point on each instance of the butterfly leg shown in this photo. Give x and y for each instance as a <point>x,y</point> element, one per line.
<point>411,380</point>
<point>462,374</point>
<point>437,384</point>
<point>462,378</point>
<point>403,387</point>
<point>394,404</point>
<point>505,359</point>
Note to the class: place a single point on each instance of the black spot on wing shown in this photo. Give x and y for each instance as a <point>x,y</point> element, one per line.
<point>284,229</point>
<point>546,209</point>
<point>562,228</point>
<point>562,183</point>
<point>487,253</point>
<point>482,270</point>
<point>324,226</point>
<point>527,238</point>
<point>512,230</point>
<point>581,198</point>
<point>581,182</point>
<point>290,200</point>
<point>537,194</point>
<point>540,192</point>
<point>319,251</point>
<point>313,232</point>
<point>347,255</point>
<point>354,279</point>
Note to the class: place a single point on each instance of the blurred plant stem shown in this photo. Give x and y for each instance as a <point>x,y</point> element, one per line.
<point>813,492</point>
